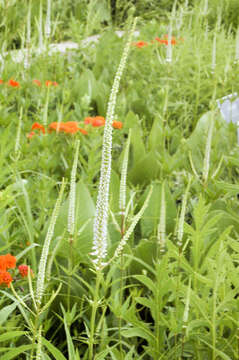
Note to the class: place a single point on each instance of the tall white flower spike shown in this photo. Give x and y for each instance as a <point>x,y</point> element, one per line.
<point>102,205</point>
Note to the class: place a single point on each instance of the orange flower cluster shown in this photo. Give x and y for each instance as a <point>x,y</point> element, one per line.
<point>16,84</point>
<point>98,121</point>
<point>69,127</point>
<point>6,262</point>
<point>140,44</point>
<point>23,270</point>
<point>47,83</point>
<point>11,82</point>
<point>163,40</point>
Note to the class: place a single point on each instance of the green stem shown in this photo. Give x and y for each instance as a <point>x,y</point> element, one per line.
<point>35,329</point>
<point>70,261</point>
<point>93,315</point>
<point>157,322</point>
<point>121,287</point>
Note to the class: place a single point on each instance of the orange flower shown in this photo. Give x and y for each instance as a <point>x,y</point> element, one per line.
<point>88,120</point>
<point>117,124</point>
<point>1,81</point>
<point>140,44</point>
<point>49,83</point>
<point>7,262</point>
<point>56,126</point>
<point>37,82</point>
<point>13,83</point>
<point>10,261</point>
<point>23,270</point>
<point>37,126</point>
<point>3,265</point>
<point>83,131</point>
<point>165,40</point>
<point>30,135</point>
<point>5,278</point>
<point>98,121</point>
<point>69,127</point>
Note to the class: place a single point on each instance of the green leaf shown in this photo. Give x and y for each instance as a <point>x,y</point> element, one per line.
<point>85,210</point>
<point>155,140</point>
<point>70,346</point>
<point>144,255</point>
<point>6,311</point>
<point>150,219</point>
<point>53,350</point>
<point>102,355</point>
<point>146,281</point>
<point>139,332</point>
<point>15,352</point>
<point>145,169</point>
<point>11,335</point>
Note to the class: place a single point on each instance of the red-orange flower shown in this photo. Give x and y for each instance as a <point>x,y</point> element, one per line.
<point>37,126</point>
<point>13,83</point>
<point>117,124</point>
<point>10,261</point>
<point>3,265</point>
<point>88,120</point>
<point>31,134</point>
<point>56,126</point>
<point>140,44</point>
<point>1,81</point>
<point>37,82</point>
<point>7,261</point>
<point>23,270</point>
<point>70,127</point>
<point>49,83</point>
<point>165,40</point>
<point>98,121</point>
<point>83,131</point>
<point>5,278</point>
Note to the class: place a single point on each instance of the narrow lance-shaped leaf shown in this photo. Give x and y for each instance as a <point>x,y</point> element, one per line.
<point>134,222</point>
<point>206,164</point>
<point>182,215</point>
<point>18,137</point>
<point>186,309</point>
<point>122,194</point>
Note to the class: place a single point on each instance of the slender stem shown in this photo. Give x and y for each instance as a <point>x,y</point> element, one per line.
<point>70,261</point>
<point>157,322</point>
<point>34,334</point>
<point>93,315</point>
<point>121,285</point>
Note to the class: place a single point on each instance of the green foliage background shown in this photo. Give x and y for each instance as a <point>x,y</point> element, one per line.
<point>178,304</point>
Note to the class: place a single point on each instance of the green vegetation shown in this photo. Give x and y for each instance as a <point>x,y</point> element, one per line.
<point>163,282</point>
